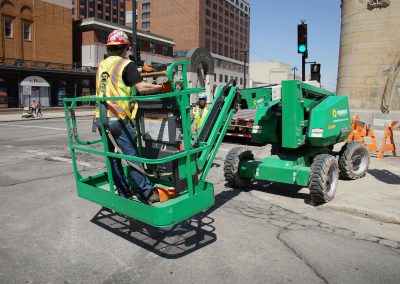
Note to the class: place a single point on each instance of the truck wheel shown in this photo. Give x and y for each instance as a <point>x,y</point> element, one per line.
<point>353,160</point>
<point>231,166</point>
<point>323,179</point>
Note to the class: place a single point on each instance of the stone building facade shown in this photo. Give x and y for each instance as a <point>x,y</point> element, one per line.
<point>369,59</point>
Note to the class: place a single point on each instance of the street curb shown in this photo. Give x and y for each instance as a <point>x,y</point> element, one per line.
<point>350,210</point>
<point>360,212</point>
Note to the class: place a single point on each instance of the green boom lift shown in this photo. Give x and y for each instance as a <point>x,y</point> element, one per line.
<point>303,125</point>
<point>173,155</point>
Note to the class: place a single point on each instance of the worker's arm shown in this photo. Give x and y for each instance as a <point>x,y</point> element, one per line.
<point>131,77</point>
<point>146,88</point>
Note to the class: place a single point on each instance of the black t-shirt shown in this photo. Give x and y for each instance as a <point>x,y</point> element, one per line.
<point>131,75</point>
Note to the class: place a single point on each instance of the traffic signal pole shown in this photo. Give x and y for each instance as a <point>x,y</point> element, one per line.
<point>302,46</point>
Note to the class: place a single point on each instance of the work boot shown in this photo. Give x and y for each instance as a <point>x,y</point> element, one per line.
<point>153,197</point>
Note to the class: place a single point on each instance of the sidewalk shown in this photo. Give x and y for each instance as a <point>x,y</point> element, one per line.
<point>47,114</point>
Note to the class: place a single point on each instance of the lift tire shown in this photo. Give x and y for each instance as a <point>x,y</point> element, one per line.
<point>353,160</point>
<point>323,179</point>
<point>275,149</point>
<point>231,166</point>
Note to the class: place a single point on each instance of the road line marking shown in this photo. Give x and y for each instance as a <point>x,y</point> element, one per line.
<point>61,159</point>
<point>33,126</point>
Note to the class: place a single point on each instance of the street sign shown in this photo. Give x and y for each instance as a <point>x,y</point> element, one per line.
<point>316,72</point>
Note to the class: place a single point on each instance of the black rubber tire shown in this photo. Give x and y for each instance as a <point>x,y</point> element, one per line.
<point>323,179</point>
<point>231,166</point>
<point>353,160</point>
<point>275,148</point>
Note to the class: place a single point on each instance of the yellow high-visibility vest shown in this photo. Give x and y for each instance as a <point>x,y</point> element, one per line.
<point>197,118</point>
<point>114,66</point>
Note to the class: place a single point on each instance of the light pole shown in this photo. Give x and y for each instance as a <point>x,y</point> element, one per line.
<point>294,69</point>
<point>135,56</point>
<point>245,54</point>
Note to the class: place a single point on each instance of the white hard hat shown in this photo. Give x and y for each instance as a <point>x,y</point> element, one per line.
<point>202,96</point>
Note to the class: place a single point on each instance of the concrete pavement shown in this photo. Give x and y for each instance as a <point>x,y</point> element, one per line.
<point>376,196</point>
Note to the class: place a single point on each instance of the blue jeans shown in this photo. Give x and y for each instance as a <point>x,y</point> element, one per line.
<point>123,133</point>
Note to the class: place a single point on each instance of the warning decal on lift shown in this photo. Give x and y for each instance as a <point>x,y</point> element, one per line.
<point>156,126</point>
<point>317,132</point>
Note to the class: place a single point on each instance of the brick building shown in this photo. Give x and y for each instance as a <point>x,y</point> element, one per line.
<point>108,10</point>
<point>221,26</point>
<point>36,53</point>
<point>91,36</point>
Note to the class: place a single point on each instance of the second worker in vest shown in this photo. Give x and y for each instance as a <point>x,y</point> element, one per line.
<point>199,112</point>
<point>118,77</point>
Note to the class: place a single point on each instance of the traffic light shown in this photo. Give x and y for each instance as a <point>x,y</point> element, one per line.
<point>302,46</point>
<point>316,72</point>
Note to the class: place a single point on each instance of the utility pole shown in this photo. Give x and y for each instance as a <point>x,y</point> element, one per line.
<point>245,54</point>
<point>135,57</point>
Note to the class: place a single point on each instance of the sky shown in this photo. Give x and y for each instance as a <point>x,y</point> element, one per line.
<point>273,34</point>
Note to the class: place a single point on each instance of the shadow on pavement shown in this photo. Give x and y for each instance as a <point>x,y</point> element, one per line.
<point>385,176</point>
<point>171,243</point>
<point>287,190</point>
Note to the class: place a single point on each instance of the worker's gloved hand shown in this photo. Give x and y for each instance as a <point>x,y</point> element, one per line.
<point>166,87</point>
<point>146,69</point>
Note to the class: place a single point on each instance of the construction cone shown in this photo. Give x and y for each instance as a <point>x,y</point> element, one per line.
<point>361,130</point>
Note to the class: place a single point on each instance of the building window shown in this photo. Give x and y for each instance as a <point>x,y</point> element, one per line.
<point>220,78</point>
<point>165,50</point>
<point>226,78</point>
<point>82,12</point>
<point>8,28</point>
<point>27,31</point>
<point>145,6</point>
<point>146,15</point>
<point>145,25</point>
<point>152,47</point>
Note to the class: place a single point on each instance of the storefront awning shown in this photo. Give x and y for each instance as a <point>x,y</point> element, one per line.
<point>34,81</point>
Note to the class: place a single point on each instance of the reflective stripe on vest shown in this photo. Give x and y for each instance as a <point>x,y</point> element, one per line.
<point>114,66</point>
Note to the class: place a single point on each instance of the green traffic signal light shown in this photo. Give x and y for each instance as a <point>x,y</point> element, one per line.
<point>302,38</point>
<point>302,48</point>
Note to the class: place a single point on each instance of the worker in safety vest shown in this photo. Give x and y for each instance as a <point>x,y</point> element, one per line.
<point>119,77</point>
<point>199,112</point>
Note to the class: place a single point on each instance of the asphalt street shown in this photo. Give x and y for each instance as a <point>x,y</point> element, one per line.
<point>49,235</point>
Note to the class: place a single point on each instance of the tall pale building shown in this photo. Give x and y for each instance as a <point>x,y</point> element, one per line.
<point>369,59</point>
